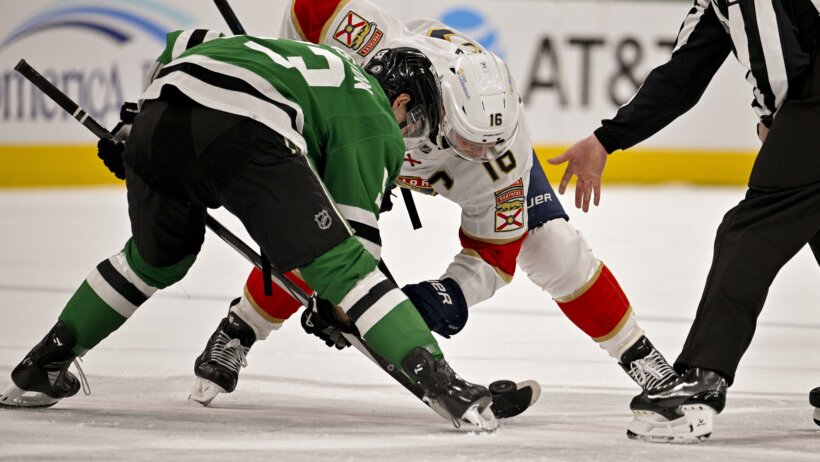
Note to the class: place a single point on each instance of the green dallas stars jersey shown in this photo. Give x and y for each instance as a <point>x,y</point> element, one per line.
<point>313,95</point>
<point>337,115</point>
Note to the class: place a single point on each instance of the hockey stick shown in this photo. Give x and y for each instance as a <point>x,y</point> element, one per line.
<point>62,100</point>
<point>230,17</point>
<point>217,228</point>
<point>296,292</point>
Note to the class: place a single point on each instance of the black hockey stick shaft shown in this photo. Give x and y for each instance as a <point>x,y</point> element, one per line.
<point>62,100</point>
<point>296,292</point>
<point>230,17</point>
<point>410,204</point>
<point>256,260</point>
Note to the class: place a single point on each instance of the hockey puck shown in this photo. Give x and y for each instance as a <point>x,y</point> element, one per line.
<point>814,397</point>
<point>499,387</point>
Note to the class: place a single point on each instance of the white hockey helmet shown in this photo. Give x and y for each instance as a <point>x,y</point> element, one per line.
<point>481,107</point>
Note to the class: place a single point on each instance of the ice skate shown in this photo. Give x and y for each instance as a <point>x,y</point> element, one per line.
<point>42,378</point>
<point>646,365</point>
<point>814,399</point>
<point>217,368</point>
<point>680,412</point>
<point>448,394</point>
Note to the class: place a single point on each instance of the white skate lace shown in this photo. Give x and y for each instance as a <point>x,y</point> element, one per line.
<point>229,352</point>
<point>83,381</point>
<point>651,371</point>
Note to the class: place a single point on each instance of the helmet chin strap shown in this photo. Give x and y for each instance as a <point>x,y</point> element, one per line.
<point>440,140</point>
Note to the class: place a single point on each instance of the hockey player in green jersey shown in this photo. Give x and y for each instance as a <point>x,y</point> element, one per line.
<point>292,138</point>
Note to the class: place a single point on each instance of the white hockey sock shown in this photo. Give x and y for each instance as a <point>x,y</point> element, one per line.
<point>261,326</point>
<point>629,333</point>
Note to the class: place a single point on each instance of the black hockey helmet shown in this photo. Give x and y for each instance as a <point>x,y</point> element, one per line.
<point>407,70</point>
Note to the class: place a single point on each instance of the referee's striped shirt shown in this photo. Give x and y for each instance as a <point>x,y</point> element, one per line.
<point>773,39</point>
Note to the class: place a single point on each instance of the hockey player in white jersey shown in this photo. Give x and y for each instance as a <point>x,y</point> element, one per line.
<point>482,159</point>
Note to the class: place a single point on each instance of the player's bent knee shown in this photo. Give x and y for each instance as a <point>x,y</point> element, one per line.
<point>158,277</point>
<point>557,258</point>
<point>441,304</point>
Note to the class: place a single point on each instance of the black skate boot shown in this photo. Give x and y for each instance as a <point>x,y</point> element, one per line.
<point>680,412</point>
<point>217,368</point>
<point>646,365</point>
<point>42,378</point>
<point>814,399</point>
<point>448,394</point>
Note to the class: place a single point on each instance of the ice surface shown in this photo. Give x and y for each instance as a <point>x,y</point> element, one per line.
<point>299,400</point>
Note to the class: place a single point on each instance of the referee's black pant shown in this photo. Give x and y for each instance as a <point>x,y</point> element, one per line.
<point>779,215</point>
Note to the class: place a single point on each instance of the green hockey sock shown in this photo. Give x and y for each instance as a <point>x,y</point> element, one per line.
<point>89,318</point>
<point>398,332</point>
<point>113,292</point>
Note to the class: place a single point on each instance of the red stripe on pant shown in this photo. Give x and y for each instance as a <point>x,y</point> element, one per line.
<point>279,305</point>
<point>501,256</point>
<point>600,309</point>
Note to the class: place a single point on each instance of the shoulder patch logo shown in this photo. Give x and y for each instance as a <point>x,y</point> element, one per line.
<point>353,30</point>
<point>509,207</point>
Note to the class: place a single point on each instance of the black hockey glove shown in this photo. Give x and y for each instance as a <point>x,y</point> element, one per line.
<point>387,199</point>
<point>109,151</point>
<point>441,304</point>
<point>318,319</point>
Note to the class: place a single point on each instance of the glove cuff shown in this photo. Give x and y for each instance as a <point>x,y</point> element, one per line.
<point>128,112</point>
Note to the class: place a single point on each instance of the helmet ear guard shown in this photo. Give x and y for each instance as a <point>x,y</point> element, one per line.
<point>408,70</point>
<point>481,107</point>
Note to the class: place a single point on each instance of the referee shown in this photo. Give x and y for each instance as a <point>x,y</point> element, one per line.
<point>777,42</point>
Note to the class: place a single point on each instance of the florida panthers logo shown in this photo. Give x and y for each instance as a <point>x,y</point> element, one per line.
<point>353,30</point>
<point>509,207</point>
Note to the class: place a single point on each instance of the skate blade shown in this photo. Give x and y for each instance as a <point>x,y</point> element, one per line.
<point>204,391</point>
<point>534,386</point>
<point>478,419</point>
<point>817,416</point>
<point>694,426</point>
<point>13,397</point>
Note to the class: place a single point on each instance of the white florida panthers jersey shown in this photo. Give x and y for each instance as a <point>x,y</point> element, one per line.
<point>492,195</point>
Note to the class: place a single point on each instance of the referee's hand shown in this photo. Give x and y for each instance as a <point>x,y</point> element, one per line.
<point>587,159</point>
